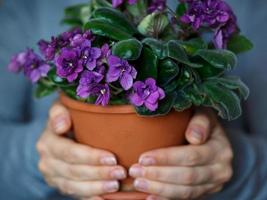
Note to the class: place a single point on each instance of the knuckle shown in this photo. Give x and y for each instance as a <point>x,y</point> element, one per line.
<point>42,167</point>
<point>229,154</point>
<point>152,173</point>
<point>69,154</point>
<point>66,188</point>
<point>71,171</point>
<point>187,193</point>
<point>192,157</point>
<point>40,146</point>
<point>226,175</point>
<point>190,177</point>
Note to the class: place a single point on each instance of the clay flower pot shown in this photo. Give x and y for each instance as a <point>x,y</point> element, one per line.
<point>120,130</point>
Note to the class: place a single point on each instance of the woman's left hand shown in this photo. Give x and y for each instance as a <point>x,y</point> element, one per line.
<point>191,171</point>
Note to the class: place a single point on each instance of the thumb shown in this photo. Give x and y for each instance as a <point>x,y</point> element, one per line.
<point>59,119</point>
<point>199,128</point>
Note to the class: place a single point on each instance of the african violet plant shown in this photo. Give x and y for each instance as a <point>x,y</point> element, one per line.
<point>142,52</point>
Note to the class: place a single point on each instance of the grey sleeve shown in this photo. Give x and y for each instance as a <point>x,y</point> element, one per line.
<point>248,135</point>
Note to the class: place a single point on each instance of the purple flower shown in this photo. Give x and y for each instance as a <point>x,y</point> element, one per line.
<point>224,33</point>
<point>79,38</point>
<point>157,5</point>
<point>68,64</point>
<point>105,53</point>
<point>121,70</point>
<point>89,55</point>
<point>147,93</point>
<point>48,49</point>
<point>117,3</point>
<point>102,92</point>
<point>87,82</point>
<point>64,39</point>
<point>17,62</point>
<point>214,14</point>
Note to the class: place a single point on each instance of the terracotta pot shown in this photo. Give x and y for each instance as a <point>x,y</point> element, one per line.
<point>120,130</point>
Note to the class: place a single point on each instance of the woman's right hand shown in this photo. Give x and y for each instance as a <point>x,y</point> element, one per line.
<point>76,170</point>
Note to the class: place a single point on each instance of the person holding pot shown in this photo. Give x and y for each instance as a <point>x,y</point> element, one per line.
<point>220,162</point>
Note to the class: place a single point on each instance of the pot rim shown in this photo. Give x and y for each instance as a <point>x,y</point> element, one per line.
<point>86,107</point>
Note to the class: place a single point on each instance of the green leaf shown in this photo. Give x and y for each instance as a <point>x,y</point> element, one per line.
<point>239,44</point>
<point>224,100</point>
<point>177,52</point>
<point>72,22</point>
<point>164,108</point>
<point>128,49</point>
<point>156,46</point>
<point>207,70</point>
<point>193,45</point>
<point>70,92</point>
<point>148,65</point>
<point>43,90</point>
<point>56,80</point>
<point>219,58</point>
<point>184,79</point>
<point>168,70</point>
<point>77,14</point>
<point>153,24</point>
<point>115,17</point>
<point>138,10</point>
<point>235,84</point>
<point>181,9</point>
<point>105,28</point>
<point>101,4</point>
<point>181,102</point>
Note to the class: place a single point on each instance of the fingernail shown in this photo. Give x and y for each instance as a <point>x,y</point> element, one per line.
<point>141,184</point>
<point>60,124</point>
<point>197,135</point>
<point>118,174</point>
<point>146,161</point>
<point>111,186</point>
<point>109,160</point>
<point>136,171</point>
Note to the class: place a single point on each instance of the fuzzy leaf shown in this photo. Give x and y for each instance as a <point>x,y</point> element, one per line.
<point>235,84</point>
<point>128,49</point>
<point>147,67</point>
<point>156,46</point>
<point>193,45</point>
<point>104,28</point>
<point>43,90</point>
<point>153,24</point>
<point>219,58</point>
<point>239,44</point>
<point>168,70</point>
<point>177,52</point>
<point>115,17</point>
<point>224,100</point>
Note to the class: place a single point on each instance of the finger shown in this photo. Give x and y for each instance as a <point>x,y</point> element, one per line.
<point>199,128</point>
<point>171,191</point>
<point>59,119</point>
<point>85,189</point>
<point>216,173</point>
<point>215,190</point>
<point>179,156</point>
<point>154,197</point>
<point>58,168</point>
<point>93,198</point>
<point>67,150</point>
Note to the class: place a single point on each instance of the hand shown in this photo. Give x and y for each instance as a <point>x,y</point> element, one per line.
<point>187,172</point>
<point>76,170</point>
